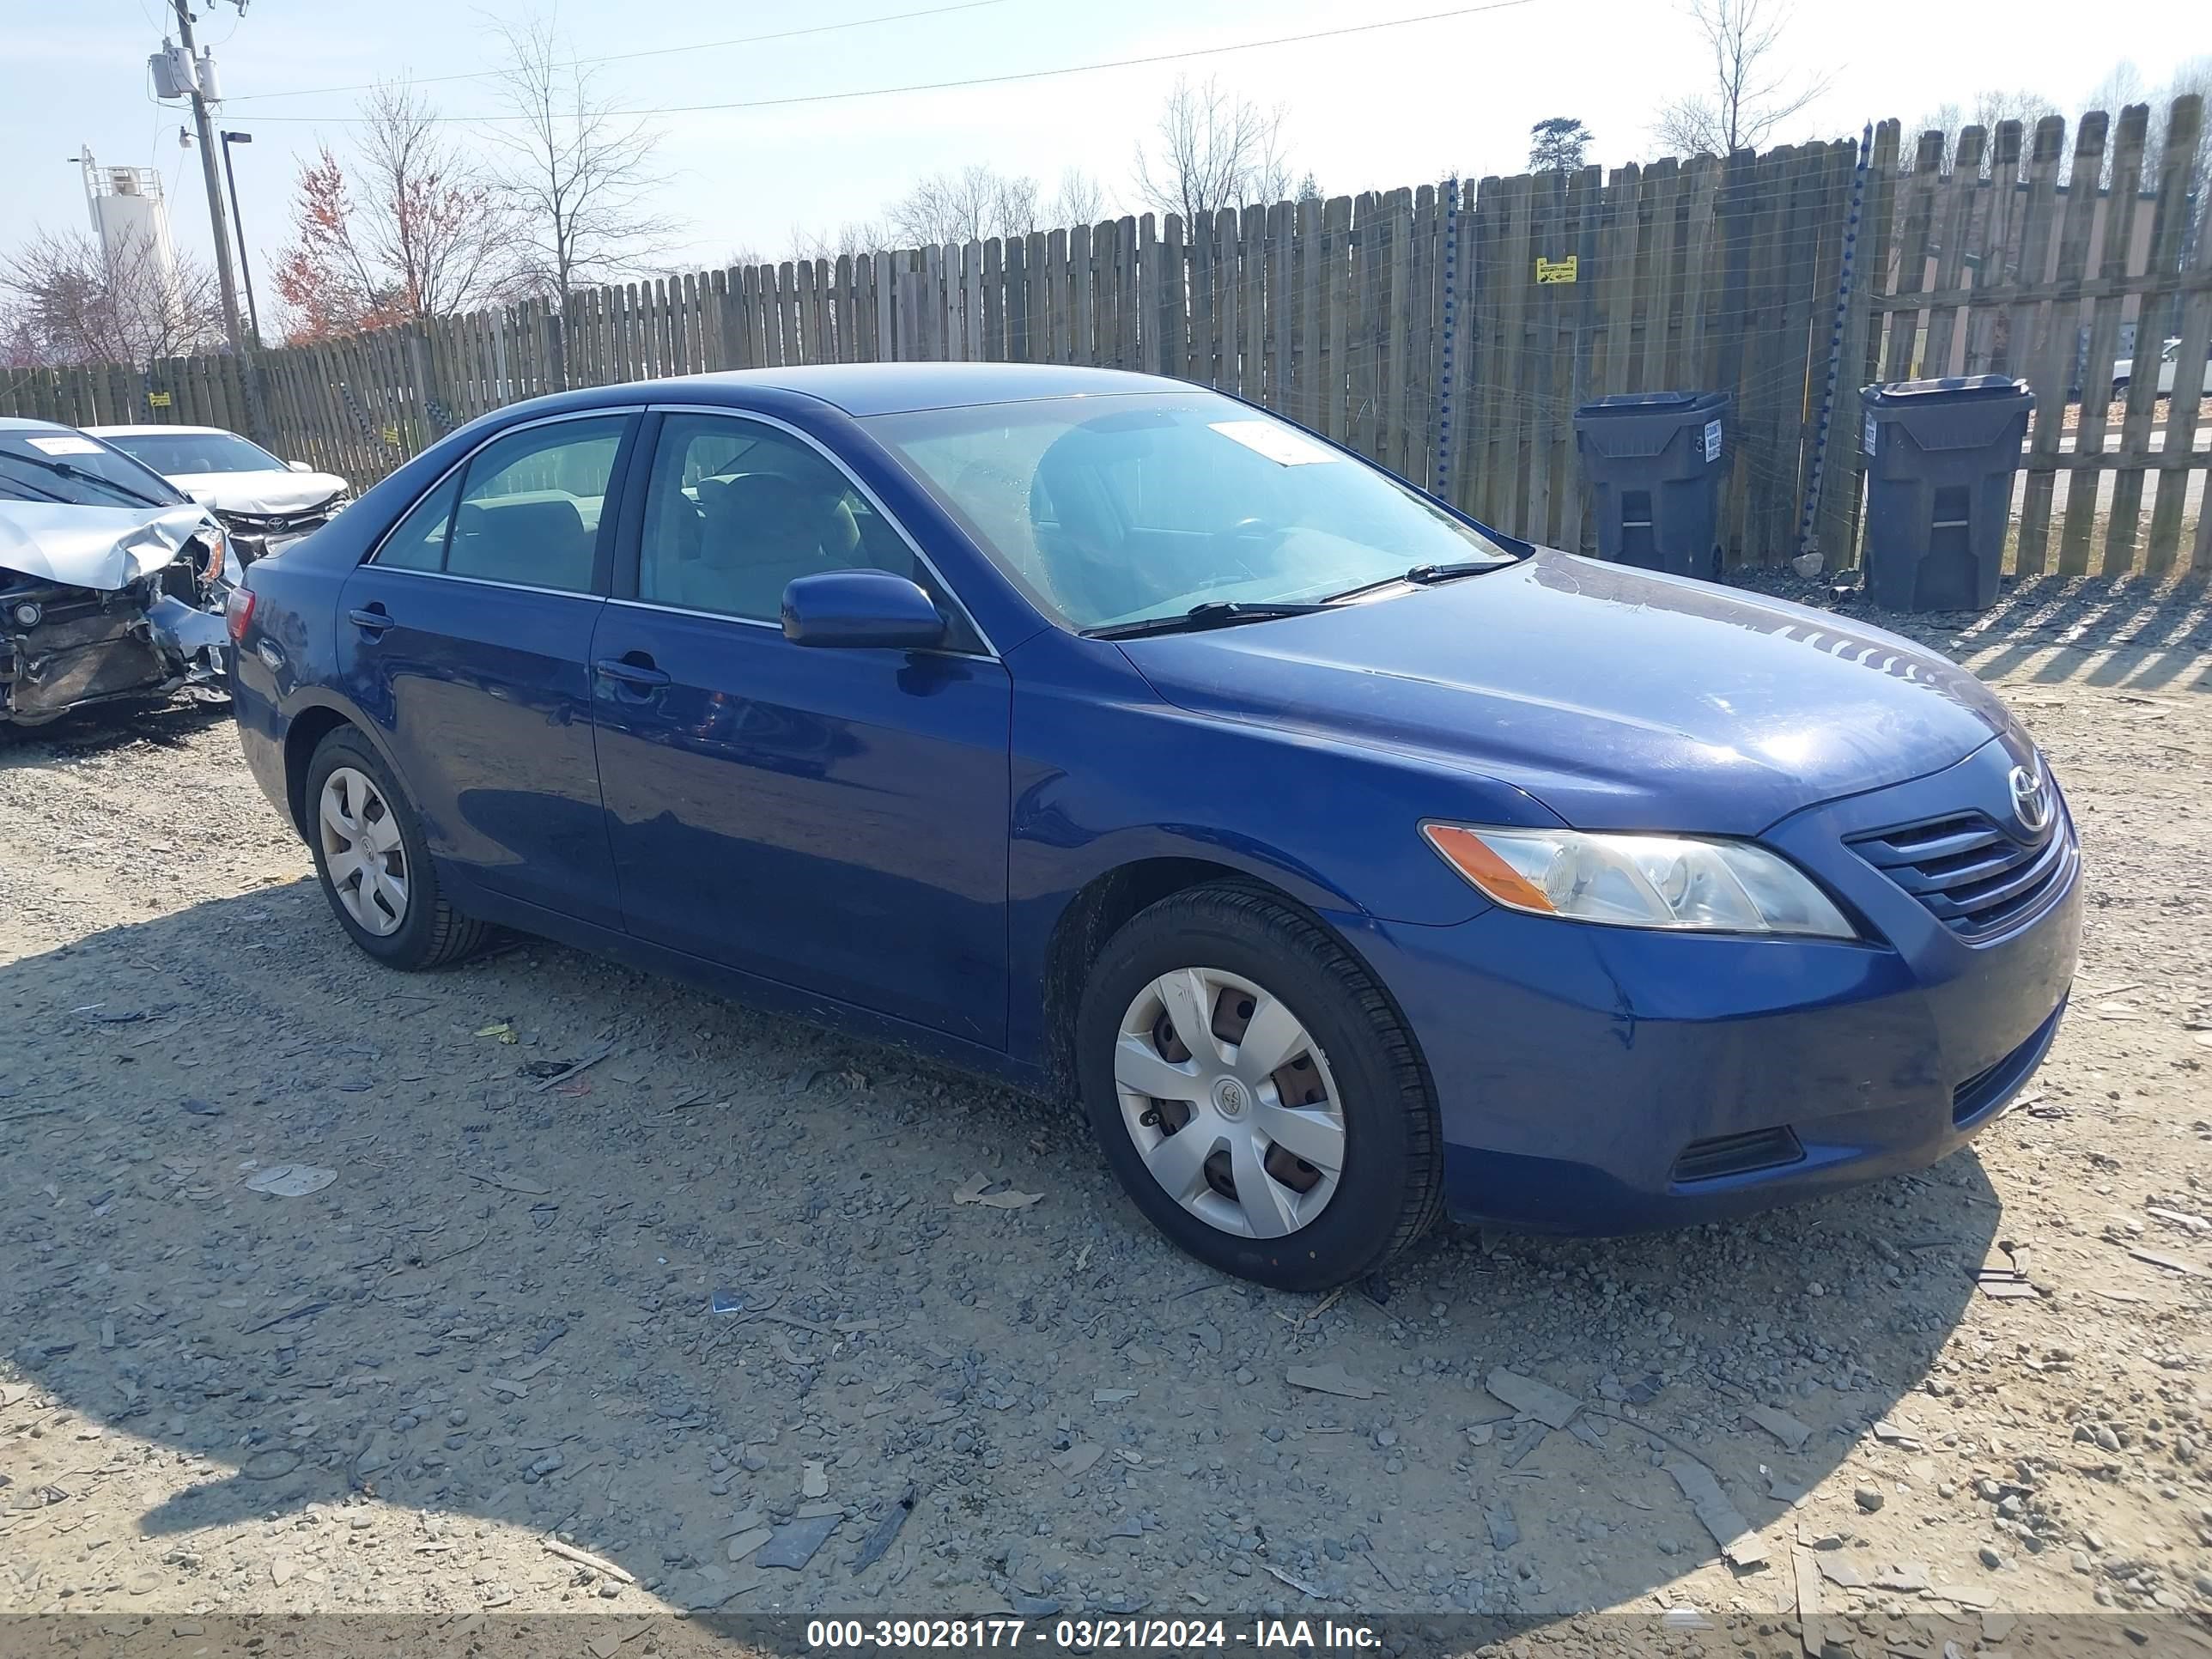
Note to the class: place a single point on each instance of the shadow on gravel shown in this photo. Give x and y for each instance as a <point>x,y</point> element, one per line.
<point>107,726</point>
<point>2125,632</point>
<point>500,1306</point>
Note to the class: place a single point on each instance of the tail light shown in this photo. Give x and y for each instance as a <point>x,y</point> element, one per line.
<point>238,613</point>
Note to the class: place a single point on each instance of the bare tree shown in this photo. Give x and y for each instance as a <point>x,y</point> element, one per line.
<point>970,205</point>
<point>71,300</point>
<point>1080,200</point>
<point>577,173</point>
<point>856,238</point>
<point>2125,85</point>
<point>1213,150</point>
<point>1991,106</point>
<point>1750,95</point>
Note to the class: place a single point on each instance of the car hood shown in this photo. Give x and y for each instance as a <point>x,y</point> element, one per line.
<point>105,548</point>
<point>1618,698</point>
<point>264,495</point>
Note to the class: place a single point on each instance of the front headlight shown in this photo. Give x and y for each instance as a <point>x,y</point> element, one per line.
<point>1640,881</point>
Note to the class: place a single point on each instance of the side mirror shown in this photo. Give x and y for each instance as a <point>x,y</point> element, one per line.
<point>301,466</point>
<point>868,608</point>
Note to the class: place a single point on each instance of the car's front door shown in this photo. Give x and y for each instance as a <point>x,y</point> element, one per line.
<point>466,637</point>
<point>832,819</point>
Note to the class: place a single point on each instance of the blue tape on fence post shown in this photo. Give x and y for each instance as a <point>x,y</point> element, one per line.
<point>1441,488</point>
<point>1835,347</point>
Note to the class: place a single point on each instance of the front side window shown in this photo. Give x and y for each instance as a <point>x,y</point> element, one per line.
<point>528,511</point>
<point>735,510</point>
<point>1119,509</point>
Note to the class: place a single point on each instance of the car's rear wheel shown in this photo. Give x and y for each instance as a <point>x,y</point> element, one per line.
<point>374,866</point>
<point>1256,1093</point>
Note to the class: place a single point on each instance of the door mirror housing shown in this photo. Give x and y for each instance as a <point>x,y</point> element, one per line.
<point>301,466</point>
<point>866,607</point>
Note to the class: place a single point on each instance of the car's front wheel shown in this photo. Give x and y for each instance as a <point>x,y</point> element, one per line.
<point>375,864</point>
<point>1256,1093</point>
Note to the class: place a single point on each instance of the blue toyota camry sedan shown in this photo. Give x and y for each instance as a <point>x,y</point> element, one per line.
<point>1348,860</point>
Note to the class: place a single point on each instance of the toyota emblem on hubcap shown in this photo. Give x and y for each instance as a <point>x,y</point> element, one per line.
<point>1229,1096</point>
<point>2031,799</point>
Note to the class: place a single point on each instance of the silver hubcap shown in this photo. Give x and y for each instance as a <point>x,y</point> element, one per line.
<point>1229,1102</point>
<point>364,859</point>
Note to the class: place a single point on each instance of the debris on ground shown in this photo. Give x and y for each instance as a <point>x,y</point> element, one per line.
<point>976,1190</point>
<point>1540,1400</point>
<point>1331,1378</point>
<point>290,1180</point>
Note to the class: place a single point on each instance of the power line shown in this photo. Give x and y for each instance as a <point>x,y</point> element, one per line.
<point>626,57</point>
<point>1000,80</point>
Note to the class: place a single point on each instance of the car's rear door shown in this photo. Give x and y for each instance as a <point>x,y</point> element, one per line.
<point>835,819</point>
<point>466,637</point>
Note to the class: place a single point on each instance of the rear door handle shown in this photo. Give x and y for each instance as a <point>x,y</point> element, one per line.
<point>370,621</point>
<point>641,675</point>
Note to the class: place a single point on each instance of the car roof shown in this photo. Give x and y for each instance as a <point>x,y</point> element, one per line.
<point>25,423</point>
<point>150,430</point>
<point>863,389</point>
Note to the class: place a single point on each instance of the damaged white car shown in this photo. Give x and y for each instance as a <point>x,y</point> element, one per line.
<point>261,502</point>
<point>111,583</point>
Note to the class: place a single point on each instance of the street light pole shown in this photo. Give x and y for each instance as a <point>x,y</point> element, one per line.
<point>238,224</point>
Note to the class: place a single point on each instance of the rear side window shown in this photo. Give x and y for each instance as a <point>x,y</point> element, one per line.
<point>525,509</point>
<point>419,541</point>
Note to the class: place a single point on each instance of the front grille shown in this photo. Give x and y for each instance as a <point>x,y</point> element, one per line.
<point>1728,1154</point>
<point>1977,878</point>
<point>276,524</point>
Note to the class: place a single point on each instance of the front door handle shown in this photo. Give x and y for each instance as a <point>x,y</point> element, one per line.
<point>372,621</point>
<point>635,671</point>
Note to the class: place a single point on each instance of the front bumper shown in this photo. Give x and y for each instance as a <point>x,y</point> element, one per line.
<point>93,647</point>
<point>255,536</point>
<point>1602,1080</point>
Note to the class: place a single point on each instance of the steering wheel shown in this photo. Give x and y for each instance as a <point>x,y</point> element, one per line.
<point>1252,535</point>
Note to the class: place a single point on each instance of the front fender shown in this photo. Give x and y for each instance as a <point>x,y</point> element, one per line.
<point>1106,775</point>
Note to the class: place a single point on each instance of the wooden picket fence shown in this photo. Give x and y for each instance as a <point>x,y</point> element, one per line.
<point>1447,332</point>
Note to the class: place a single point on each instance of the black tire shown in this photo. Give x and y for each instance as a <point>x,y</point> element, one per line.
<point>2119,389</point>
<point>433,933</point>
<point>1391,1189</point>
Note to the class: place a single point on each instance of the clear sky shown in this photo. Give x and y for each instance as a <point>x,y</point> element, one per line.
<point>1395,105</point>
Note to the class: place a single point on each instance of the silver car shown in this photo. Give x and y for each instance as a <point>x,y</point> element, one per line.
<point>112,582</point>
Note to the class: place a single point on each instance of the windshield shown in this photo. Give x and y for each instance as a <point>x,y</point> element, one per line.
<point>175,453</point>
<point>1114,510</point>
<point>77,471</point>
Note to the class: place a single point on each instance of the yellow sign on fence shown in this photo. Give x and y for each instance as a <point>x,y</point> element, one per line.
<point>157,400</point>
<point>1557,271</point>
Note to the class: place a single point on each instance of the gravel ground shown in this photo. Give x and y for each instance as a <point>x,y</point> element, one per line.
<point>482,1368</point>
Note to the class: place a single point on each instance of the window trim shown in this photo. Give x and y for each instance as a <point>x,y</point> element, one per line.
<point>611,507</point>
<point>629,551</point>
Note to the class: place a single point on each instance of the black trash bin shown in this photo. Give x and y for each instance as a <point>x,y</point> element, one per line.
<point>1654,463</point>
<point>1940,460</point>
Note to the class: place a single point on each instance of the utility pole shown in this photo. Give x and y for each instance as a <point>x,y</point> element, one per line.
<point>233,325</point>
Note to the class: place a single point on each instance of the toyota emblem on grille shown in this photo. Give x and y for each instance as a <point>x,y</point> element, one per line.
<point>2031,799</point>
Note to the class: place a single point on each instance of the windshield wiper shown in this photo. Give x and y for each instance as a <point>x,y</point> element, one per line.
<point>63,469</point>
<point>1214,613</point>
<point>1425,575</point>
